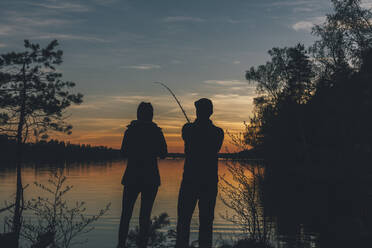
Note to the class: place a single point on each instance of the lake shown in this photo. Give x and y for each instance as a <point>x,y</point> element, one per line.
<point>303,212</point>
<point>99,183</point>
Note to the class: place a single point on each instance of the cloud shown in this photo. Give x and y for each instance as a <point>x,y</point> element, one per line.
<point>142,67</point>
<point>302,9</point>
<point>102,116</point>
<point>69,37</point>
<point>303,25</point>
<point>2,45</point>
<point>226,82</point>
<point>236,62</point>
<point>289,3</point>
<point>28,24</point>
<point>65,6</point>
<point>27,21</point>
<point>307,25</point>
<point>176,62</point>
<point>183,19</point>
<point>233,108</point>
<point>33,25</point>
<point>367,4</point>
<point>5,29</point>
<point>106,2</point>
<point>299,7</point>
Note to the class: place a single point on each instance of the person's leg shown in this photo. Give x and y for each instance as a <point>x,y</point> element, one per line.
<point>187,198</point>
<point>148,195</point>
<point>130,195</point>
<point>207,202</point>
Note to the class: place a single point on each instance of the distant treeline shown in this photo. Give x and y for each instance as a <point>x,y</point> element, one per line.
<point>58,151</point>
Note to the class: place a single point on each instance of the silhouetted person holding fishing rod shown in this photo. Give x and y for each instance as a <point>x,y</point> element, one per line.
<point>143,142</point>
<point>203,140</point>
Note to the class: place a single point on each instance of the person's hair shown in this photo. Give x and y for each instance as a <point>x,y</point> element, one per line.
<point>204,108</point>
<point>145,111</point>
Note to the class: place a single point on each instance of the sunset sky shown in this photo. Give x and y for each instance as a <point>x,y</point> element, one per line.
<point>115,49</point>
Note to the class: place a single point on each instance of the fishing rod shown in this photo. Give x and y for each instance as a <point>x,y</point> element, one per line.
<point>175,98</point>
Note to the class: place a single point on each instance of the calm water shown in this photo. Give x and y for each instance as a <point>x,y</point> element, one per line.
<point>98,184</point>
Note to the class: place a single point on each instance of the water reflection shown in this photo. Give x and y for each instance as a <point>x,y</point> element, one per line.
<point>303,211</point>
<point>313,211</point>
<point>99,183</point>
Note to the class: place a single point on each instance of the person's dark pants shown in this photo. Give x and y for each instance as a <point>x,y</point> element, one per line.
<point>130,194</point>
<point>189,194</point>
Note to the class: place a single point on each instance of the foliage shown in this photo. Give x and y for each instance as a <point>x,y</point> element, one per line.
<point>285,84</point>
<point>344,37</point>
<point>157,238</point>
<point>55,218</point>
<point>244,196</point>
<point>33,98</point>
<point>32,94</point>
<point>313,105</point>
<point>288,74</point>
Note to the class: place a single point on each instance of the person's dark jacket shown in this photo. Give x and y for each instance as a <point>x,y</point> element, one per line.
<point>203,140</point>
<point>143,142</point>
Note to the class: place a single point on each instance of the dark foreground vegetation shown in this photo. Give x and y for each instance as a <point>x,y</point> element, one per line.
<point>57,151</point>
<point>314,105</point>
<point>33,100</point>
<point>56,222</point>
<point>312,125</point>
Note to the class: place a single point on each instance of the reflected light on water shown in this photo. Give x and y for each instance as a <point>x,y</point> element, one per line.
<point>99,183</point>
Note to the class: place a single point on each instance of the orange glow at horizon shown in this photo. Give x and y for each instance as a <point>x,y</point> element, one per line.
<point>112,137</point>
<point>102,120</point>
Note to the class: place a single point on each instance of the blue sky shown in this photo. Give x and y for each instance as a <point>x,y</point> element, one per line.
<point>114,49</point>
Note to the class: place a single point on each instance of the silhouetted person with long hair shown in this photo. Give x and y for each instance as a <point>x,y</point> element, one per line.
<point>143,142</point>
<point>203,140</point>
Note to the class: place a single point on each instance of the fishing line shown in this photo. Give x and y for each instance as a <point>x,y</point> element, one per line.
<point>175,98</point>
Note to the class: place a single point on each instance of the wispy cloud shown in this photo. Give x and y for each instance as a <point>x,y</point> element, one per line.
<point>299,6</point>
<point>142,67</point>
<point>32,21</point>
<point>289,3</point>
<point>303,25</point>
<point>69,37</point>
<point>176,62</point>
<point>226,82</point>
<point>233,21</point>
<point>66,6</point>
<point>233,108</point>
<point>236,62</point>
<point>307,25</point>
<point>106,2</point>
<point>183,19</point>
<point>5,29</point>
<point>302,9</point>
<point>2,45</point>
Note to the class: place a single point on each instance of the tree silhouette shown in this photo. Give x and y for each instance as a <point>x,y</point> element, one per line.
<point>312,102</point>
<point>285,84</point>
<point>33,98</point>
<point>344,37</point>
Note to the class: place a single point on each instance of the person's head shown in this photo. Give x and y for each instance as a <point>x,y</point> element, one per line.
<point>145,112</point>
<point>204,108</point>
